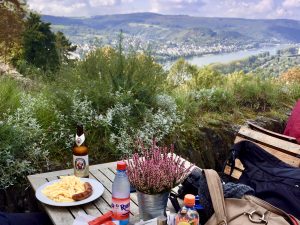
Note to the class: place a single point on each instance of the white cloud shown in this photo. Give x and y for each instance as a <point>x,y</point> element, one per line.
<point>291,3</point>
<point>176,6</point>
<point>255,9</point>
<point>264,6</point>
<point>97,3</point>
<point>60,8</point>
<point>212,8</point>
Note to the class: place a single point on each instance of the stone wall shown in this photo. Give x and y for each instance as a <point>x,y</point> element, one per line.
<point>211,145</point>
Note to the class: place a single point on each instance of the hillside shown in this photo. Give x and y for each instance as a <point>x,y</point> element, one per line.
<point>8,71</point>
<point>264,64</point>
<point>178,34</point>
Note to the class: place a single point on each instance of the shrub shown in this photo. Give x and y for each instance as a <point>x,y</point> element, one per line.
<point>291,76</point>
<point>109,71</point>
<point>9,95</point>
<point>207,78</point>
<point>124,127</point>
<point>24,147</point>
<point>14,160</point>
<point>254,92</point>
<point>214,99</point>
<point>292,91</point>
<point>180,73</point>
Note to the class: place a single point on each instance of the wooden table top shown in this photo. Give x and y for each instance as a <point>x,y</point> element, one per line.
<point>104,173</point>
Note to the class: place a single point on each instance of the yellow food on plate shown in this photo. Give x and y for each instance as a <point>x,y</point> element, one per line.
<point>64,189</point>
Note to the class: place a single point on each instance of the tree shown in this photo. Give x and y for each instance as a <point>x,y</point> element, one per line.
<point>12,14</point>
<point>181,72</point>
<point>63,47</point>
<point>39,44</point>
<point>292,75</point>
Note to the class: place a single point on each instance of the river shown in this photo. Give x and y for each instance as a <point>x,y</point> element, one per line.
<point>232,56</point>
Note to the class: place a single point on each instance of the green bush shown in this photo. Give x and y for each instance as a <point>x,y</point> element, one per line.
<point>24,144</point>
<point>292,92</point>
<point>180,73</point>
<point>254,92</point>
<point>13,160</point>
<point>207,78</point>
<point>214,99</point>
<point>9,95</point>
<point>119,98</point>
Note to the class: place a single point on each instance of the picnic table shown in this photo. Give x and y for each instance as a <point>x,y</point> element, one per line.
<point>104,173</point>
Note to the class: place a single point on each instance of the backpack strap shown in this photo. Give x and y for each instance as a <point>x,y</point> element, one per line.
<point>216,194</point>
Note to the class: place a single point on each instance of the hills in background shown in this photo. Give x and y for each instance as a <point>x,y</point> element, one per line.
<point>178,35</point>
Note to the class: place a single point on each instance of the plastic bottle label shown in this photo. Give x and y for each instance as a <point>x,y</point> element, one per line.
<point>81,165</point>
<point>184,221</point>
<point>120,208</point>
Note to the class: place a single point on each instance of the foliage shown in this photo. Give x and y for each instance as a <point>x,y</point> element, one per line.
<point>156,170</point>
<point>180,72</point>
<point>206,78</point>
<point>254,92</point>
<point>63,47</point>
<point>264,64</point>
<point>39,44</point>
<point>9,95</point>
<point>214,99</point>
<point>24,143</point>
<point>292,75</point>
<point>12,13</point>
<point>121,98</point>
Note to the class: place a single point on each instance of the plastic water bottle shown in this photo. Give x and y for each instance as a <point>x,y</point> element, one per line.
<point>187,214</point>
<point>121,195</point>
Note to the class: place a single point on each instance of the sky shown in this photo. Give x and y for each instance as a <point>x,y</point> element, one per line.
<point>254,9</point>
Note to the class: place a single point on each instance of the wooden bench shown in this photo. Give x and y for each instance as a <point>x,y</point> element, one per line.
<point>283,147</point>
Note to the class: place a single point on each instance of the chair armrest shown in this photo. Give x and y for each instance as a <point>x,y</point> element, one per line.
<point>271,133</point>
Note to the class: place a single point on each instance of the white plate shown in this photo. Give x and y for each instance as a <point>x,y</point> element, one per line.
<point>98,190</point>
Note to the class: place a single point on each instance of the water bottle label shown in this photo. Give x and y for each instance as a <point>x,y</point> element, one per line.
<point>120,208</point>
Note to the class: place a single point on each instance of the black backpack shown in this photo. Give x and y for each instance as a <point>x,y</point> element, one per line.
<point>273,180</point>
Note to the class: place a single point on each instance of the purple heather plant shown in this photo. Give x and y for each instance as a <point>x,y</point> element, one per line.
<point>156,169</point>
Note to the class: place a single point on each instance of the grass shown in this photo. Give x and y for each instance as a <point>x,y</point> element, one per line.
<point>10,93</point>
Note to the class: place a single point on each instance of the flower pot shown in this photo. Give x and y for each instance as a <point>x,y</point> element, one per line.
<point>151,206</point>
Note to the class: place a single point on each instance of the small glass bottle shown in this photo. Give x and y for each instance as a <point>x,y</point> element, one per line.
<point>188,215</point>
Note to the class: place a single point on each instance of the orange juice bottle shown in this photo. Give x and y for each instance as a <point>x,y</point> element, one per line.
<point>188,215</point>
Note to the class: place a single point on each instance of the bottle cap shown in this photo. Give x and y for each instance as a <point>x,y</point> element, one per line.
<point>189,200</point>
<point>121,165</point>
